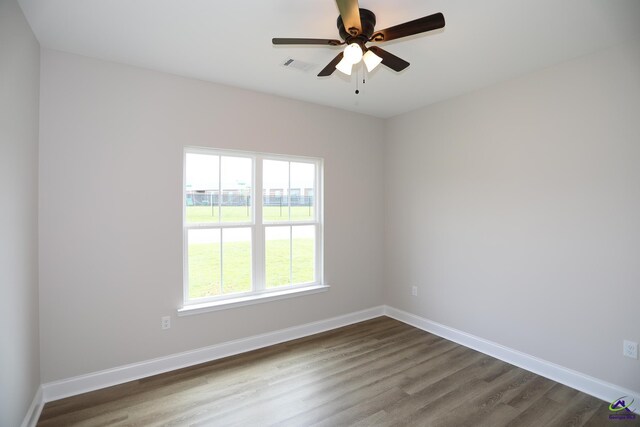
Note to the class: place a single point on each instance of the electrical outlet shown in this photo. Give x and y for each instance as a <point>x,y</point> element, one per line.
<point>414,291</point>
<point>630,349</point>
<point>165,322</point>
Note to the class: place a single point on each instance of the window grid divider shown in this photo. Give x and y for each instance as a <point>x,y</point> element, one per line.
<point>220,196</point>
<point>221,260</point>
<point>259,283</point>
<point>290,240</point>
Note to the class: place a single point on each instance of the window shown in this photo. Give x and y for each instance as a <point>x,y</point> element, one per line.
<point>238,247</point>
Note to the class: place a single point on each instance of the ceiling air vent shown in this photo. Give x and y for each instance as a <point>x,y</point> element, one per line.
<point>298,65</point>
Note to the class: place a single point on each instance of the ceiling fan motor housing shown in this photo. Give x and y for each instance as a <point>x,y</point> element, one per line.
<point>368,23</point>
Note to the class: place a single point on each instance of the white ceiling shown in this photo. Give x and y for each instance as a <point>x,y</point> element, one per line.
<point>229,42</point>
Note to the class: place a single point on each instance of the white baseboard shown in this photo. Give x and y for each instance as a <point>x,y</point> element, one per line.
<point>579,381</point>
<point>33,414</point>
<point>97,380</point>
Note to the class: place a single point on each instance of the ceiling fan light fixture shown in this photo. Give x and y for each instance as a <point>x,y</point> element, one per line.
<point>371,60</point>
<point>344,66</point>
<point>353,53</point>
<point>356,27</point>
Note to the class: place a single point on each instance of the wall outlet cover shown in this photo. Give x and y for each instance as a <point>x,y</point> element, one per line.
<point>630,349</point>
<point>165,322</point>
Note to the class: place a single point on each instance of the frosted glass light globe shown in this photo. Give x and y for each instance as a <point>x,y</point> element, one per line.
<point>344,66</point>
<point>353,53</point>
<point>371,60</point>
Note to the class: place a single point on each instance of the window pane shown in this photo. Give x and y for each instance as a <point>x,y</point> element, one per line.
<point>278,256</point>
<point>236,188</point>
<point>236,260</point>
<point>302,191</point>
<point>303,256</point>
<point>204,263</point>
<point>202,185</point>
<point>275,182</point>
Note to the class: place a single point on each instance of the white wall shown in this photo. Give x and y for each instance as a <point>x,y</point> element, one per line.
<point>110,209</point>
<point>19,92</point>
<point>516,210</point>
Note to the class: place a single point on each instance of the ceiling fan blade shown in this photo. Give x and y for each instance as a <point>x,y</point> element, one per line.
<point>350,14</point>
<point>421,25</point>
<point>325,42</point>
<point>331,67</point>
<point>389,59</point>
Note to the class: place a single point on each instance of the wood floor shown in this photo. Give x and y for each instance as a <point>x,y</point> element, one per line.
<point>375,373</point>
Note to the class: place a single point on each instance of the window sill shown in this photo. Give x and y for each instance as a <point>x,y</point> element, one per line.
<point>189,310</point>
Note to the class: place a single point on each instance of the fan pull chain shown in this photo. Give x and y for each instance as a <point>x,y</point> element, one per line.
<point>357,78</point>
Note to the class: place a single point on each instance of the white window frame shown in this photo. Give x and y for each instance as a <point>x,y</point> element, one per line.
<point>259,292</point>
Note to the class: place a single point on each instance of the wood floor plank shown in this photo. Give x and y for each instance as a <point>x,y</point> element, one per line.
<point>375,373</point>
<point>539,414</point>
<point>362,411</point>
<point>479,408</point>
<point>576,412</point>
<point>531,392</point>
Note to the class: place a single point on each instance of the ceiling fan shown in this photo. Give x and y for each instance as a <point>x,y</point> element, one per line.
<point>357,27</point>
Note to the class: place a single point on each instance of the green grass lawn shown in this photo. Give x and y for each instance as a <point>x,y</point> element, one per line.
<point>204,266</point>
<point>277,262</point>
<point>206,214</point>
